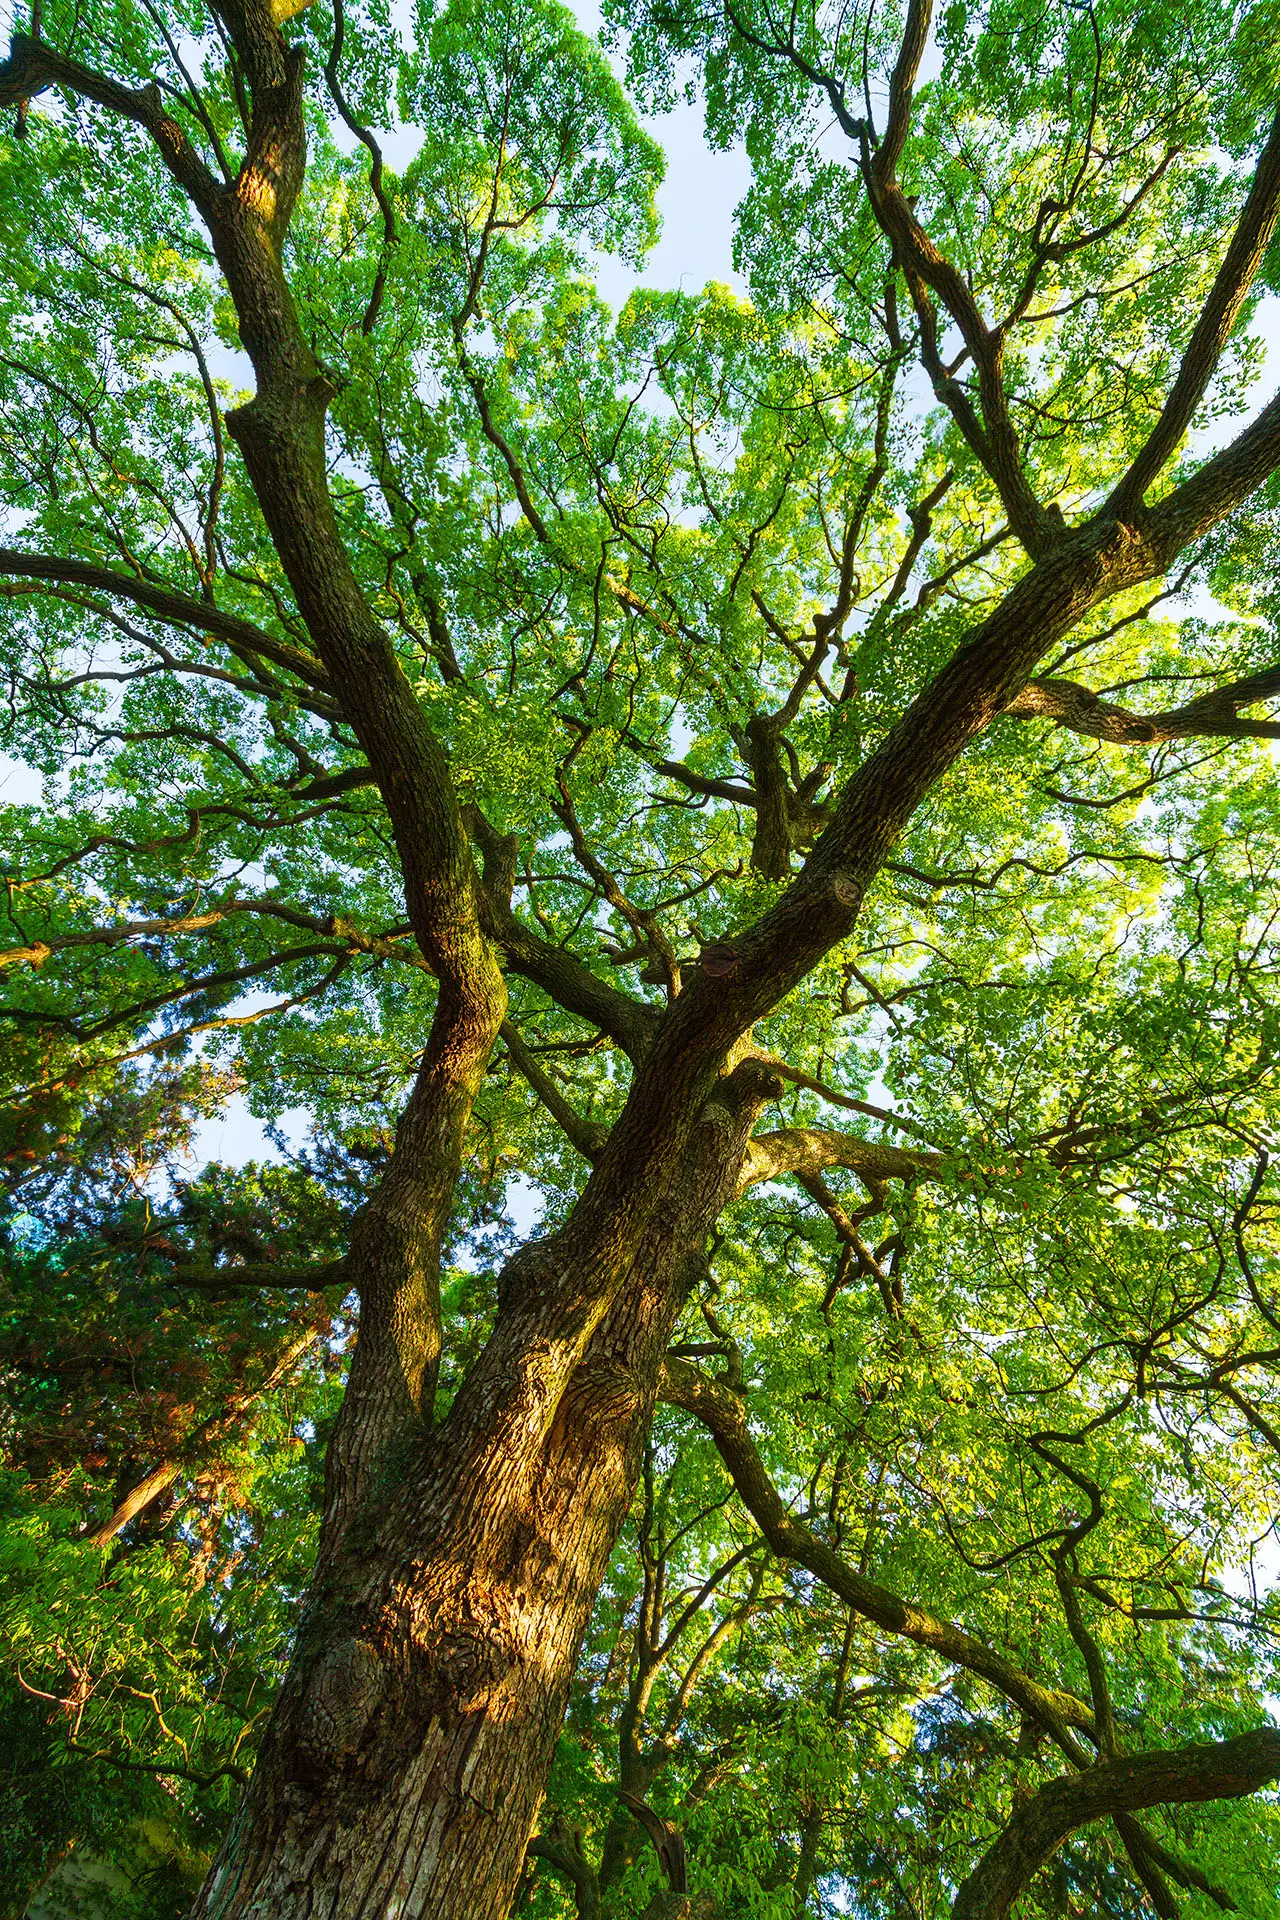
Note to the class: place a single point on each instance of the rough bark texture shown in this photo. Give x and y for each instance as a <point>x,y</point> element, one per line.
<point>406,1762</point>
<point>1215,714</point>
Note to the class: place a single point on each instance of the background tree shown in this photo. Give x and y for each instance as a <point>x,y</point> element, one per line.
<point>631,753</point>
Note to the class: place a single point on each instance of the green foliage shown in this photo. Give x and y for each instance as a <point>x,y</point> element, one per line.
<point>604,545</point>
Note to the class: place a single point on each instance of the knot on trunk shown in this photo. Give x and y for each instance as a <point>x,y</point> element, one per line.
<point>473,1633</point>
<point>341,1697</point>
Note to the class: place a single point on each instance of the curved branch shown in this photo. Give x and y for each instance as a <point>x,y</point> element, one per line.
<point>585,1135</point>
<point>563,1849</point>
<point>808,1150</point>
<point>1234,278</point>
<point>725,1417</point>
<point>556,971</point>
<point>376,184</point>
<point>168,604</point>
<point>1228,1770</point>
<point>33,67</point>
<point>995,440</point>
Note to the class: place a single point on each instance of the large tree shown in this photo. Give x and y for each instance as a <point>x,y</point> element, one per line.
<point>810,743</point>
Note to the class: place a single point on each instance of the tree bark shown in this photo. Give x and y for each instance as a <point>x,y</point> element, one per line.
<point>724,1414</point>
<point>406,1760</point>
<point>1212,715</point>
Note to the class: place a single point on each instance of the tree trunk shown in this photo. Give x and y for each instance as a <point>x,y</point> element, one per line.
<point>407,1757</point>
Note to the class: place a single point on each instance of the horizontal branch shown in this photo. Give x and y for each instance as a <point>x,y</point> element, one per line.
<point>1212,715</point>
<point>706,785</point>
<point>168,604</point>
<point>809,1150</point>
<point>835,1097</point>
<point>1227,1770</point>
<point>304,1279</point>
<point>227,1771</point>
<point>205,983</point>
<point>380,946</point>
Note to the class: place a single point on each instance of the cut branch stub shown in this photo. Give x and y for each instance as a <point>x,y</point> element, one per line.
<point>718,960</point>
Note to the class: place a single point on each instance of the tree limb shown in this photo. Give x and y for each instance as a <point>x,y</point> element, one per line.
<point>1232,282</point>
<point>33,67</point>
<point>167,603</point>
<point>725,1416</point>
<point>1212,715</point>
<point>148,1490</point>
<point>305,1279</point>
<point>808,1150</point>
<point>1227,1770</point>
<point>587,1137</point>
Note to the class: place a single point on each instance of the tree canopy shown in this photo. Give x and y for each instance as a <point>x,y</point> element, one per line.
<point>776,783</point>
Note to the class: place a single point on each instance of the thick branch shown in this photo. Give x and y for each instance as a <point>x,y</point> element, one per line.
<point>1235,277</point>
<point>167,604</point>
<point>1216,714</point>
<point>1226,1771</point>
<point>808,1150</point>
<point>1215,489</point>
<point>33,67</point>
<point>346,933</point>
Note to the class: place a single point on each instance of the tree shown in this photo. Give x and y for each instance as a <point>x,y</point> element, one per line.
<point>687,677</point>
